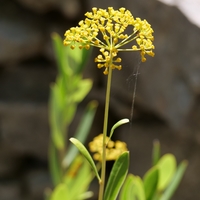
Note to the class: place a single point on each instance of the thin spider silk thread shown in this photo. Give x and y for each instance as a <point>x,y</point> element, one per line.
<point>134,92</point>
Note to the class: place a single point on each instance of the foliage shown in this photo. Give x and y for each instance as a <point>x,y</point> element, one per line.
<point>67,168</point>
<point>159,182</point>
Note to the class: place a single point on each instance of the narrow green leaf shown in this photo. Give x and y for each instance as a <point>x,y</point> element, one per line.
<point>86,154</point>
<point>82,90</point>
<point>168,193</point>
<point>150,182</point>
<point>85,195</point>
<point>54,165</point>
<point>78,58</point>
<point>117,177</point>
<point>81,132</point>
<point>57,48</point>
<point>139,193</point>
<point>156,152</point>
<point>127,189</point>
<point>76,55</point>
<point>60,192</point>
<point>119,123</point>
<point>78,174</point>
<point>62,57</point>
<point>167,168</point>
<point>70,113</point>
<point>133,189</point>
<point>85,57</point>
<point>69,61</point>
<point>54,118</point>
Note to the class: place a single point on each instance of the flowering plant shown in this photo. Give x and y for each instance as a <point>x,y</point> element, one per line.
<point>113,31</point>
<point>108,30</point>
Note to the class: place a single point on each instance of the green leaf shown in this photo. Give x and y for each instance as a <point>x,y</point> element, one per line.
<point>78,58</point>
<point>75,59</point>
<point>117,177</point>
<point>85,195</point>
<point>150,182</point>
<point>76,55</point>
<point>119,123</point>
<point>54,165</point>
<point>85,57</point>
<point>82,90</point>
<point>167,168</point>
<point>62,57</point>
<point>168,193</point>
<point>78,174</point>
<point>156,152</point>
<point>60,192</point>
<point>55,118</point>
<point>81,132</point>
<point>86,154</point>
<point>133,189</point>
<point>127,189</point>
<point>139,193</point>
<point>70,113</point>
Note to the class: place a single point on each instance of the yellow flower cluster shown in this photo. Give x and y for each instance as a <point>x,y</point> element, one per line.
<point>111,24</point>
<point>113,149</point>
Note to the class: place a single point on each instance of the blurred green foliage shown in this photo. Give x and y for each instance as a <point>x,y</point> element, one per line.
<point>159,182</point>
<point>69,169</point>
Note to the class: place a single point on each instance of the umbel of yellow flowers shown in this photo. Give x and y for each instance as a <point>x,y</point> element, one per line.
<point>106,29</point>
<point>113,149</point>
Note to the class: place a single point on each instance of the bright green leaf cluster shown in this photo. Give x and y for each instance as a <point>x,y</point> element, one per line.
<point>67,168</point>
<point>78,174</point>
<point>159,182</point>
<point>64,96</point>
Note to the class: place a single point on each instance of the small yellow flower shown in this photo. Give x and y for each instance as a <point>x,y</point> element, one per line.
<point>105,29</point>
<point>113,149</point>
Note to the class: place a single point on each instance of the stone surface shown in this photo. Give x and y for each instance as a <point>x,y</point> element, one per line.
<point>10,190</point>
<point>36,182</point>
<point>24,129</point>
<point>21,33</point>
<point>10,163</point>
<point>70,8</point>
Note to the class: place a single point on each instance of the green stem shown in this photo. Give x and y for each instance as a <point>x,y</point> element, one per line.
<point>103,169</point>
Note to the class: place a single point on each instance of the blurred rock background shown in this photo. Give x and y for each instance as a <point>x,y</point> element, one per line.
<point>167,101</point>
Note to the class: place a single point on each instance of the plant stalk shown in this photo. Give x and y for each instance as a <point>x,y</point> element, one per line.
<point>105,125</point>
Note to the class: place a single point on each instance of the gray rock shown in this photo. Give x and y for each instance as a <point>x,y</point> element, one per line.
<point>10,163</point>
<point>37,181</point>
<point>70,8</point>
<point>39,6</point>
<point>21,34</point>
<point>24,129</point>
<point>26,83</point>
<point>10,190</point>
